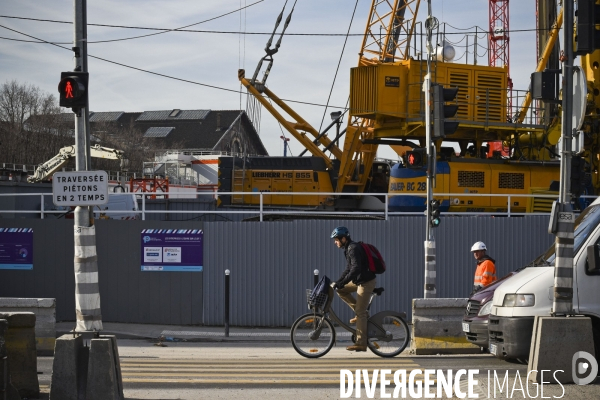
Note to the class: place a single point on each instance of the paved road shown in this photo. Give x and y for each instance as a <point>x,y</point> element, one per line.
<point>263,370</point>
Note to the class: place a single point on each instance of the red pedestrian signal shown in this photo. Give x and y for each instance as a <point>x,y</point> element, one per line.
<point>415,159</point>
<point>411,159</point>
<point>72,89</point>
<point>68,90</point>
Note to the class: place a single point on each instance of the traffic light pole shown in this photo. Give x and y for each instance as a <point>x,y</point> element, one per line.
<point>430,264</point>
<point>87,294</point>
<point>563,213</point>
<point>81,215</point>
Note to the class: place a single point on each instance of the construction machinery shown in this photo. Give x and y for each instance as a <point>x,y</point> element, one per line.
<point>44,171</point>
<point>387,107</point>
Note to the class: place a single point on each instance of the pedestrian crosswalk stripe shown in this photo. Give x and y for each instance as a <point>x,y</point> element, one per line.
<point>233,334</point>
<point>235,374</point>
<point>236,364</point>
<point>299,361</point>
<point>300,372</point>
<point>262,381</point>
<point>212,369</point>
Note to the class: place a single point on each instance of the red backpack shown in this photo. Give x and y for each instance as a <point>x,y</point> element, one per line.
<point>376,263</point>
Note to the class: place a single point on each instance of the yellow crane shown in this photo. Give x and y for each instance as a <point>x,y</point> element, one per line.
<point>387,107</point>
<point>390,26</point>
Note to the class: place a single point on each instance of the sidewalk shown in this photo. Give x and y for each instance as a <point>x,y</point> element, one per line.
<point>188,333</point>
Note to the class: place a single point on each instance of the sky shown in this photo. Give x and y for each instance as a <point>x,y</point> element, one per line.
<point>303,69</point>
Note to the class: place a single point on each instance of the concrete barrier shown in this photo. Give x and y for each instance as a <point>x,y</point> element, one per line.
<point>437,327</point>
<point>45,319</point>
<point>69,368</point>
<point>7,390</point>
<point>20,348</point>
<point>81,372</point>
<point>559,344</point>
<point>104,380</point>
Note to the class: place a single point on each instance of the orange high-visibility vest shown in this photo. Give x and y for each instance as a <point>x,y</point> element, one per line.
<point>485,273</point>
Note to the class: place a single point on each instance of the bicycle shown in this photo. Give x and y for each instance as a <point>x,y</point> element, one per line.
<point>313,334</point>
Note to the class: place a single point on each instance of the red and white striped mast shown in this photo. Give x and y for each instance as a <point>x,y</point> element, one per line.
<point>499,42</point>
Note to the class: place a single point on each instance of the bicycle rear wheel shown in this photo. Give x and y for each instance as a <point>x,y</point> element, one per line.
<point>312,335</point>
<point>388,334</point>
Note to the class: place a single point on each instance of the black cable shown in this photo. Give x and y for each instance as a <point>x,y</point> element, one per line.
<point>176,29</point>
<point>141,36</point>
<point>159,74</point>
<point>165,30</point>
<point>338,66</point>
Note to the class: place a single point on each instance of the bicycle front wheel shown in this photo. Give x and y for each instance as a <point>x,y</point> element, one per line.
<point>312,335</point>
<point>388,334</point>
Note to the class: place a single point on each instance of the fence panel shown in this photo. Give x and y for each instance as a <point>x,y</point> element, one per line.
<point>271,265</point>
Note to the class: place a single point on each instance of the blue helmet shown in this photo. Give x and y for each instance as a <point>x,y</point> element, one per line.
<point>340,232</point>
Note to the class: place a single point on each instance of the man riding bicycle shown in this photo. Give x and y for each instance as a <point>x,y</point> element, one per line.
<point>356,278</point>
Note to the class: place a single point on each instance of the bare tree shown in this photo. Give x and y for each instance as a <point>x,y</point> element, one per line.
<point>32,128</point>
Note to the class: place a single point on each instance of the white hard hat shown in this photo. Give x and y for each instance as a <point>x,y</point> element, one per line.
<point>478,246</point>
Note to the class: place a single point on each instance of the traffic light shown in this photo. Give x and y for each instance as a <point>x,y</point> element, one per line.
<point>441,111</point>
<point>577,176</point>
<point>73,89</point>
<point>434,215</point>
<point>587,37</point>
<point>416,158</point>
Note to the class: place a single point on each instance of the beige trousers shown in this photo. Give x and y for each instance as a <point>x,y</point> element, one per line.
<point>359,305</point>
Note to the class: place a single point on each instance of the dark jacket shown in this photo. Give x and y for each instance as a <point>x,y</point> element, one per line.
<point>357,270</point>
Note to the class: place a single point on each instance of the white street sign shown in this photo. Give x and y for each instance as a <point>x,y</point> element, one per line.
<point>82,188</point>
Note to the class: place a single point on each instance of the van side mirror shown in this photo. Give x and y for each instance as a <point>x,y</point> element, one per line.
<point>593,260</point>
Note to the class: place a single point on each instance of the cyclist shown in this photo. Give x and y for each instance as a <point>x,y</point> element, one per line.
<point>356,278</point>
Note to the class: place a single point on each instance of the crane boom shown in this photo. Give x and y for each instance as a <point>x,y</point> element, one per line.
<point>45,170</point>
<point>390,27</point>
<point>397,20</point>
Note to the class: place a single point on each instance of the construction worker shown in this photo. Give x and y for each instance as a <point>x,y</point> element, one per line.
<point>356,278</point>
<point>486,267</point>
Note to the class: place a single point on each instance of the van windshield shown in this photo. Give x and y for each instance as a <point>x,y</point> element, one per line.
<point>584,226</point>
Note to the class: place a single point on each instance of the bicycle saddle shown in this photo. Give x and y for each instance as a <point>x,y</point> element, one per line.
<point>378,291</point>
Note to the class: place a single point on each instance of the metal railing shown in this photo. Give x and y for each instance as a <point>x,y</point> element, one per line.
<point>263,209</point>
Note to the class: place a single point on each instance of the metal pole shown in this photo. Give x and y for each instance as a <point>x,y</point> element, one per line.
<point>563,268</point>
<point>82,214</point>
<point>227,272</point>
<point>430,268</point>
<point>261,207</point>
<point>86,112</point>
<point>338,123</point>
<point>87,291</point>
<point>475,48</point>
<point>315,277</point>
<point>386,205</point>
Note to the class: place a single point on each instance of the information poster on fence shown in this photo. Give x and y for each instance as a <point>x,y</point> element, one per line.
<point>172,250</point>
<point>16,248</point>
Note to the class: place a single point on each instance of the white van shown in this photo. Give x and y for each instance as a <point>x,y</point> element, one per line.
<point>529,293</point>
<point>124,204</point>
